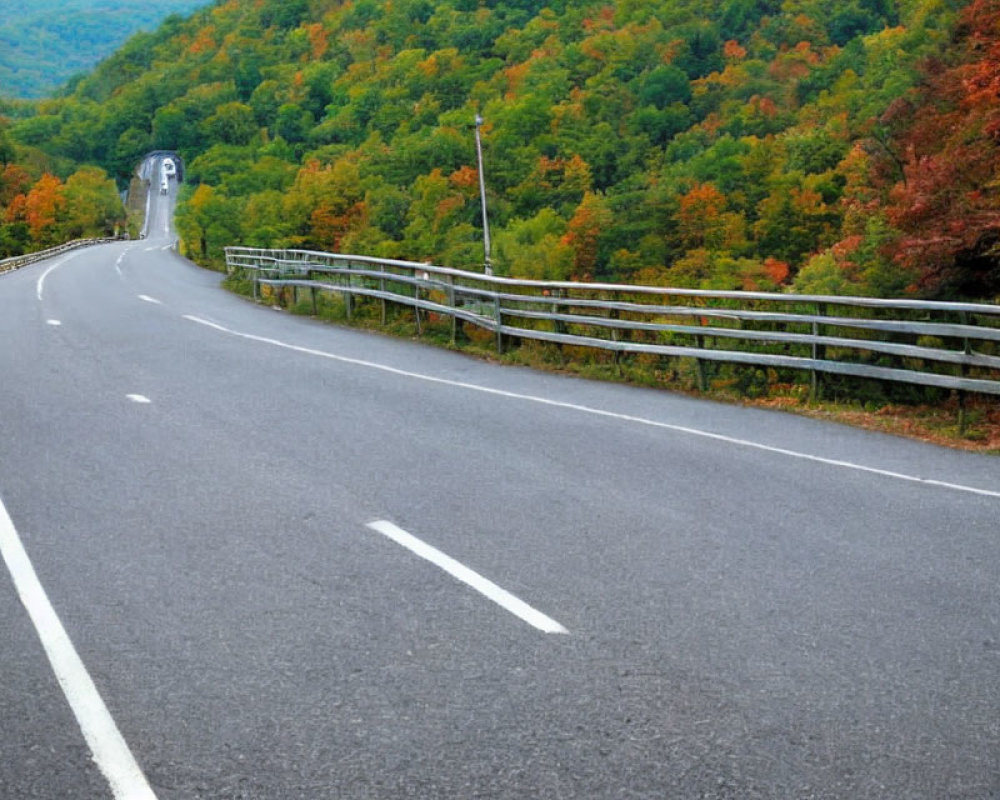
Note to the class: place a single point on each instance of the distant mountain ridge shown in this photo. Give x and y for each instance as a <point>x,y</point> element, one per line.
<point>43,43</point>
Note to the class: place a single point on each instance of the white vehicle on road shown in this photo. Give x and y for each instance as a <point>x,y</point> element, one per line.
<point>169,168</point>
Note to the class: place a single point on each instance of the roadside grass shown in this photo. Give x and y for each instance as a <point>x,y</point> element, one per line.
<point>937,424</point>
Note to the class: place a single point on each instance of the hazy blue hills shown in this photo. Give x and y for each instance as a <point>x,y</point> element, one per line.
<point>45,42</point>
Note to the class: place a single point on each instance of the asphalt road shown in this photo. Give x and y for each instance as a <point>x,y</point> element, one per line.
<point>755,605</point>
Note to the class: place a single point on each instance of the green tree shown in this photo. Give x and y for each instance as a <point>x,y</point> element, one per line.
<point>232,123</point>
<point>263,222</point>
<point>93,207</point>
<point>664,86</point>
<point>7,153</point>
<point>438,221</point>
<point>535,248</point>
<point>208,221</point>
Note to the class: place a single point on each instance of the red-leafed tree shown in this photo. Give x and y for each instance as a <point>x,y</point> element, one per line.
<point>946,202</point>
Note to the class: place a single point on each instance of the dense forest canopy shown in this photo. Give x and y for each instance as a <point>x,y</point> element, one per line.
<point>43,43</point>
<point>846,147</point>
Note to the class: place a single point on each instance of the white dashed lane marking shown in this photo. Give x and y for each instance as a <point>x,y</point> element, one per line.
<point>484,586</point>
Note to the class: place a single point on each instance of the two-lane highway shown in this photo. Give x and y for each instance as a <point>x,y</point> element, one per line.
<point>296,561</point>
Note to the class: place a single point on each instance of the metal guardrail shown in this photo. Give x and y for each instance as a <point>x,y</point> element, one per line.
<point>952,346</point>
<point>16,262</point>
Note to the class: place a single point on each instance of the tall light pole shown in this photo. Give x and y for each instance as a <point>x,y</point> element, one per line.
<point>487,265</point>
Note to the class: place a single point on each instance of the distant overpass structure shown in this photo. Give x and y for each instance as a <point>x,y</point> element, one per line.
<point>149,162</point>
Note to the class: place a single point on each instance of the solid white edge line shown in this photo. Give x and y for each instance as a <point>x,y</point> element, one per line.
<point>470,577</point>
<point>110,752</point>
<point>718,437</point>
<point>40,284</point>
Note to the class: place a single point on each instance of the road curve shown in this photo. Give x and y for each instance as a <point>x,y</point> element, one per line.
<point>294,560</point>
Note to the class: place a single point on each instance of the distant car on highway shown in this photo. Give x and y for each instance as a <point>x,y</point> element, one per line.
<point>169,168</point>
<point>164,186</point>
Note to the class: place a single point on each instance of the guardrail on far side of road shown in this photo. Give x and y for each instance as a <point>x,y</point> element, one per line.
<point>16,262</point>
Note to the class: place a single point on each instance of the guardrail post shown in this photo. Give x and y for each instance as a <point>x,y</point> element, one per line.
<point>963,417</point>
<point>451,305</point>
<point>558,324</point>
<point>818,354</point>
<point>498,316</point>
<point>699,365</point>
<point>348,297</point>
<point>613,314</point>
<point>416,308</point>
<point>381,288</point>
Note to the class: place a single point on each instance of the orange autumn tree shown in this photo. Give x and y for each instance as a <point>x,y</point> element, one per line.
<point>703,221</point>
<point>43,210</point>
<point>593,217</point>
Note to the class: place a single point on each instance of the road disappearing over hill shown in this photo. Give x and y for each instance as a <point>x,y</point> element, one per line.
<point>299,561</point>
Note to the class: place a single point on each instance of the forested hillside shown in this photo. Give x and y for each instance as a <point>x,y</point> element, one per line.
<point>847,147</point>
<point>44,42</point>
